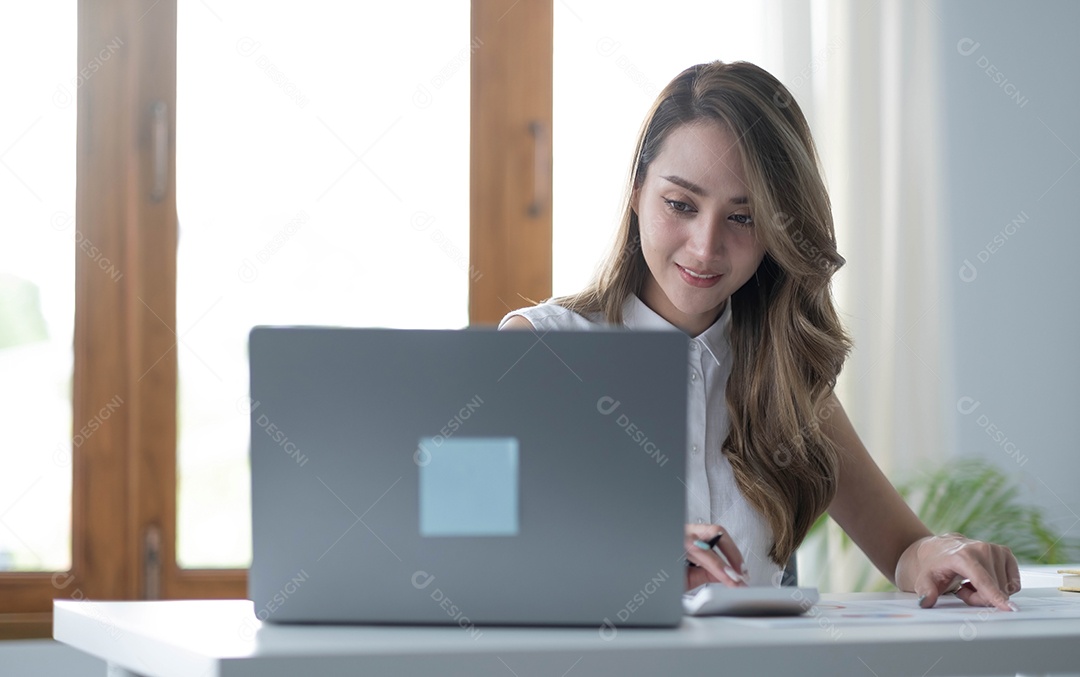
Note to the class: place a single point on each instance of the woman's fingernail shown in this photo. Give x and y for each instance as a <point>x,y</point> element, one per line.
<point>734,575</point>
<point>1012,605</point>
<point>703,545</point>
<point>922,598</point>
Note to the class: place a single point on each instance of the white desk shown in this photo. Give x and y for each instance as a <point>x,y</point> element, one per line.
<point>223,639</point>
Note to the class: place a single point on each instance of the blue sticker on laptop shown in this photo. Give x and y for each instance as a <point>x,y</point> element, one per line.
<point>468,486</point>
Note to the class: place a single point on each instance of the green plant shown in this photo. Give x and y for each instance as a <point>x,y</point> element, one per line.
<point>969,496</point>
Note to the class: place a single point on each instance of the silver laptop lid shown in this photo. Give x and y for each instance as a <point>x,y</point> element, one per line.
<point>467,477</point>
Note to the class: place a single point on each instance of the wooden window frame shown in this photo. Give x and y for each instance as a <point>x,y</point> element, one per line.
<point>510,151</point>
<point>124,476</point>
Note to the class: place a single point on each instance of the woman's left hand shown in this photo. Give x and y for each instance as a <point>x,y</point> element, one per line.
<point>987,574</point>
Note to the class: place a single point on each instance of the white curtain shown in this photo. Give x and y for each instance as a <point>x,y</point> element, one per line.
<point>866,75</point>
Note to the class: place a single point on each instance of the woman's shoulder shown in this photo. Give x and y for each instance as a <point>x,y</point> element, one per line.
<point>551,316</point>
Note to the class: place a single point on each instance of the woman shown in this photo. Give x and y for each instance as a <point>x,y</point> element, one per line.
<point>727,235</point>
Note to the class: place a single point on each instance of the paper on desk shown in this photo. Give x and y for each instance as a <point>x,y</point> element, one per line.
<point>901,611</point>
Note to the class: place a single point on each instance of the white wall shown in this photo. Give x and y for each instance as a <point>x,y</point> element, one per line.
<point>1012,103</point>
<point>46,658</point>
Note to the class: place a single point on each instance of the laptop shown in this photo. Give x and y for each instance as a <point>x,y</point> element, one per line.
<point>469,477</point>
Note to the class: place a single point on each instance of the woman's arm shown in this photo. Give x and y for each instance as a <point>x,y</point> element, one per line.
<point>872,512</point>
<point>866,505</point>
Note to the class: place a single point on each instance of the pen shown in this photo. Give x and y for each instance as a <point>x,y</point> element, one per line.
<point>706,545</point>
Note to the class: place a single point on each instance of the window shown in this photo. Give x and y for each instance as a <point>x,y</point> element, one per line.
<point>316,184</point>
<point>37,287</point>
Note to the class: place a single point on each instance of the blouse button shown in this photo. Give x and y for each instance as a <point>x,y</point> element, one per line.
<point>693,376</point>
<point>700,521</point>
<point>694,448</point>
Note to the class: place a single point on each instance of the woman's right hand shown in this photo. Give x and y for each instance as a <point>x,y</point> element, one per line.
<point>726,566</point>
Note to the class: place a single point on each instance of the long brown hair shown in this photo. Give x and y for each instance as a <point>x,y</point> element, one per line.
<point>787,342</point>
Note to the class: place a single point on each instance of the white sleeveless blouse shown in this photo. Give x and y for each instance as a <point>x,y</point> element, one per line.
<point>712,496</point>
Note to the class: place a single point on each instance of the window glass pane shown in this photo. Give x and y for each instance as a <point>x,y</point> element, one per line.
<point>37,282</point>
<point>322,178</point>
<point>612,58</point>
